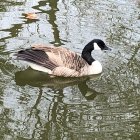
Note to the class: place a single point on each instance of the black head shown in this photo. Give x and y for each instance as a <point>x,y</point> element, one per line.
<point>95,44</point>
<point>98,44</point>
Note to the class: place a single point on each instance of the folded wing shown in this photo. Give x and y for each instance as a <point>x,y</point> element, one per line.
<point>63,57</point>
<point>37,57</point>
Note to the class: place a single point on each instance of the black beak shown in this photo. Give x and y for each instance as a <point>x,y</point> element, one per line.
<point>107,48</point>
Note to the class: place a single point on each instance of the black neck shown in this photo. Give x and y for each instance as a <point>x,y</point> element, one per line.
<point>86,54</point>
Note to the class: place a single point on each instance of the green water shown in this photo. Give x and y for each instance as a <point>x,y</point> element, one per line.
<point>104,107</point>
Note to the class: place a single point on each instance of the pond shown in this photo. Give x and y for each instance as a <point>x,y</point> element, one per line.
<point>38,107</point>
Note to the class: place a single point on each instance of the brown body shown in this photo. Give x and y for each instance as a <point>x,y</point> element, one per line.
<point>60,61</point>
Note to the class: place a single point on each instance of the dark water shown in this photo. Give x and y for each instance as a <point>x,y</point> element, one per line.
<point>35,106</point>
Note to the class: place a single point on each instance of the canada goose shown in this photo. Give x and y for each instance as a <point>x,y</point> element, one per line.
<point>59,61</point>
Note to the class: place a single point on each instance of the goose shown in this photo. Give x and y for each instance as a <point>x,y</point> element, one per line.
<point>60,61</point>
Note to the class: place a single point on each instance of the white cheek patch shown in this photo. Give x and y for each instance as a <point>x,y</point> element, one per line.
<point>96,47</point>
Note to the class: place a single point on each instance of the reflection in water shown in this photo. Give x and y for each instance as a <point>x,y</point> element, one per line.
<point>35,106</point>
<point>39,79</point>
<point>14,31</point>
<point>51,19</point>
<point>58,113</point>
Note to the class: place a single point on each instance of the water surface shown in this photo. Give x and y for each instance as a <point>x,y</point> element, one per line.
<point>106,106</point>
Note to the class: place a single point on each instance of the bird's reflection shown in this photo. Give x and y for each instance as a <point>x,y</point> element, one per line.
<point>39,79</point>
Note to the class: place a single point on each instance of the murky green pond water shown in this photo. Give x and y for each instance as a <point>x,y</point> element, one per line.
<point>104,107</point>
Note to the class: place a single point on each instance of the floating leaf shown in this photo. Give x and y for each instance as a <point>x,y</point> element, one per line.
<point>31,16</point>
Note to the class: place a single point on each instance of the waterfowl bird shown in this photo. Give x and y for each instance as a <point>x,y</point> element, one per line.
<point>59,61</point>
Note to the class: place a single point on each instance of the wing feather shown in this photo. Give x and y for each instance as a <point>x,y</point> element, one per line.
<point>38,57</point>
<point>62,57</point>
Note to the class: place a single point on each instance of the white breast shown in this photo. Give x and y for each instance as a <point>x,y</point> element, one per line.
<point>95,68</point>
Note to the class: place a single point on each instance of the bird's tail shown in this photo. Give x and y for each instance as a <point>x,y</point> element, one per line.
<point>37,57</point>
